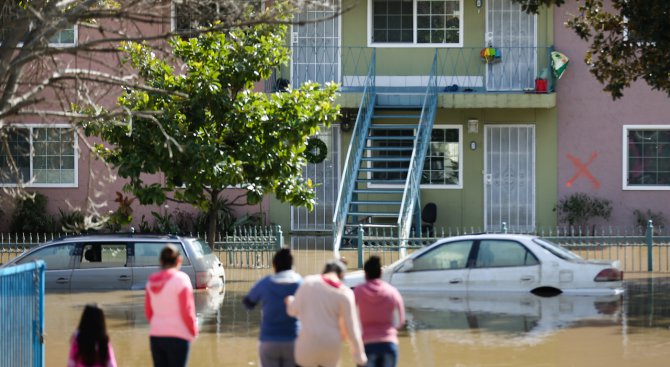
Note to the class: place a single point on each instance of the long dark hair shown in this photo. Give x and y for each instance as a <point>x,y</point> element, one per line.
<point>92,338</point>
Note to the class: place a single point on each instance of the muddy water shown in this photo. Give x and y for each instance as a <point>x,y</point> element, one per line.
<point>487,330</point>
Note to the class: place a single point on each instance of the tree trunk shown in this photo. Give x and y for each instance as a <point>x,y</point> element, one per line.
<point>212,218</point>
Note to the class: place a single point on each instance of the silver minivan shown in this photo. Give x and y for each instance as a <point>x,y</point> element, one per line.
<point>120,261</point>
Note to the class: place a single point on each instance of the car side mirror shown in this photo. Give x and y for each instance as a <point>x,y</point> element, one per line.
<point>406,266</point>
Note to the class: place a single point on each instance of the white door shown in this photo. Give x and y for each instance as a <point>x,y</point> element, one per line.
<point>326,178</point>
<point>316,46</point>
<point>509,177</point>
<point>513,33</point>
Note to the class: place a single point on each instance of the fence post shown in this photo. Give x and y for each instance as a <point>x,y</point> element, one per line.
<point>279,237</point>
<point>504,227</point>
<point>360,246</point>
<point>650,246</point>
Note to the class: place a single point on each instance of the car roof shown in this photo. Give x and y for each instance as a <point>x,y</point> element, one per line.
<point>480,236</point>
<point>125,237</point>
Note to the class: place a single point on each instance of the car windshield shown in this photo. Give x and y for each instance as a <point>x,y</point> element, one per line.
<point>201,247</point>
<point>557,250</point>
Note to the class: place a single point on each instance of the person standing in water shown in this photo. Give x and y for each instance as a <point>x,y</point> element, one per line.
<point>327,314</point>
<point>278,329</point>
<point>170,308</point>
<point>382,312</point>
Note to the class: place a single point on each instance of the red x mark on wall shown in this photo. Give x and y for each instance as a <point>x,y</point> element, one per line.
<point>582,169</point>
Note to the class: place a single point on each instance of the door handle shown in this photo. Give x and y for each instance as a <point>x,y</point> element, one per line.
<point>456,281</point>
<point>62,280</point>
<point>527,278</point>
<point>124,278</point>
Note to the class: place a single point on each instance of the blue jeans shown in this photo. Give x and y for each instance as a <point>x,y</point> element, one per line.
<point>169,352</point>
<point>381,354</point>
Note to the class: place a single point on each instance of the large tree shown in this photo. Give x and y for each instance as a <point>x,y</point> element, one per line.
<point>61,57</point>
<point>211,131</point>
<point>628,40</point>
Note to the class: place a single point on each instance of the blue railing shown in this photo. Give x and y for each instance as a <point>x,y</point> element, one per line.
<point>463,70</point>
<point>22,315</point>
<point>354,154</point>
<point>415,169</point>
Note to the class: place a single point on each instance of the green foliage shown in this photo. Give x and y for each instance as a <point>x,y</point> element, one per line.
<point>642,219</point>
<point>579,209</point>
<point>72,222</point>
<point>627,40</point>
<point>123,214</point>
<point>31,215</point>
<point>204,128</point>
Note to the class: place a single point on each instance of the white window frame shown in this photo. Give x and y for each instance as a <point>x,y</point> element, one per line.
<point>624,160</point>
<point>75,142</point>
<point>414,43</point>
<point>439,186</point>
<point>74,41</point>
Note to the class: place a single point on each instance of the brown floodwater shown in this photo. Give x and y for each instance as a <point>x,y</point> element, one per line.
<point>443,330</point>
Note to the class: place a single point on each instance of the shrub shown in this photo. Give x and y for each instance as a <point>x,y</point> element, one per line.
<point>31,215</point>
<point>577,210</point>
<point>642,218</point>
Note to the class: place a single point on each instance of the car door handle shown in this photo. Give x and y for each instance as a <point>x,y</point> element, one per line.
<point>527,278</point>
<point>124,278</point>
<point>456,281</point>
<point>62,280</point>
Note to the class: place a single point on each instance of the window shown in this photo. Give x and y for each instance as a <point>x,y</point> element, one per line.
<point>442,166</point>
<point>148,253</point>
<point>453,255</point>
<point>44,154</point>
<point>416,22</point>
<point>55,257</point>
<point>646,157</point>
<point>494,253</point>
<point>10,17</point>
<point>104,255</point>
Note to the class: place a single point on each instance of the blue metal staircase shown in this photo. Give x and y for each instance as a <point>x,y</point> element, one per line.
<point>382,174</point>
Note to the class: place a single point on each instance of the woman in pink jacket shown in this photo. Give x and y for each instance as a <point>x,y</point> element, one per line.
<point>382,312</point>
<point>170,309</point>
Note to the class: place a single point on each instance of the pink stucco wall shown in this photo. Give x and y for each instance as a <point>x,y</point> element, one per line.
<point>590,129</point>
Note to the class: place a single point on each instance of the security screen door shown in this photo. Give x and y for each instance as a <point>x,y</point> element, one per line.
<point>512,32</point>
<point>509,177</point>
<point>315,47</point>
<point>326,178</point>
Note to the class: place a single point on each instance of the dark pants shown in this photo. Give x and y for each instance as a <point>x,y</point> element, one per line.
<point>169,352</point>
<point>381,354</point>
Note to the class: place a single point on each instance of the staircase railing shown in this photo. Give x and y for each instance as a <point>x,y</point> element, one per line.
<point>354,155</point>
<point>415,170</point>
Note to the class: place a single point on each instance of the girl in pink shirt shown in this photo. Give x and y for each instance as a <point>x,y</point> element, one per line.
<point>382,312</point>
<point>90,346</point>
<point>170,309</point>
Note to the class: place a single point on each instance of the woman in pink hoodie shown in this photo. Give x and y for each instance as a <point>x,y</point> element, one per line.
<point>170,309</point>
<point>382,312</point>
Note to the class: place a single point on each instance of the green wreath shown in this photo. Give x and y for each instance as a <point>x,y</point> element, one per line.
<point>316,150</point>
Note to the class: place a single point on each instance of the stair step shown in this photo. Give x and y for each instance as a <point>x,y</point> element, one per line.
<point>393,126</point>
<point>408,116</point>
<point>363,169</point>
<point>381,182</point>
<point>378,191</point>
<point>374,202</point>
<point>386,159</point>
<point>394,149</point>
<point>374,214</point>
<point>386,138</point>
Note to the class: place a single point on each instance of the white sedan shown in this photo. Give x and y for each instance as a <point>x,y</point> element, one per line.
<point>501,263</point>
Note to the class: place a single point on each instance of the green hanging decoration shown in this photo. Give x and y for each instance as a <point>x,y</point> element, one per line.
<point>316,150</point>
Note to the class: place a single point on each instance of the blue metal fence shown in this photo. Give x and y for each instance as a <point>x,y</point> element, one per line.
<point>22,315</point>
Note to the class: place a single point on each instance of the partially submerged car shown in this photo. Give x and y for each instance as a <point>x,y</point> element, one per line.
<point>120,261</point>
<point>501,263</point>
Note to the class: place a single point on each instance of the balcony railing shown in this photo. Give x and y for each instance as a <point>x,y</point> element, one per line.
<point>459,70</point>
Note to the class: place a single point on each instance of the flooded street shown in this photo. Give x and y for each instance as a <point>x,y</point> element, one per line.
<point>443,330</point>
